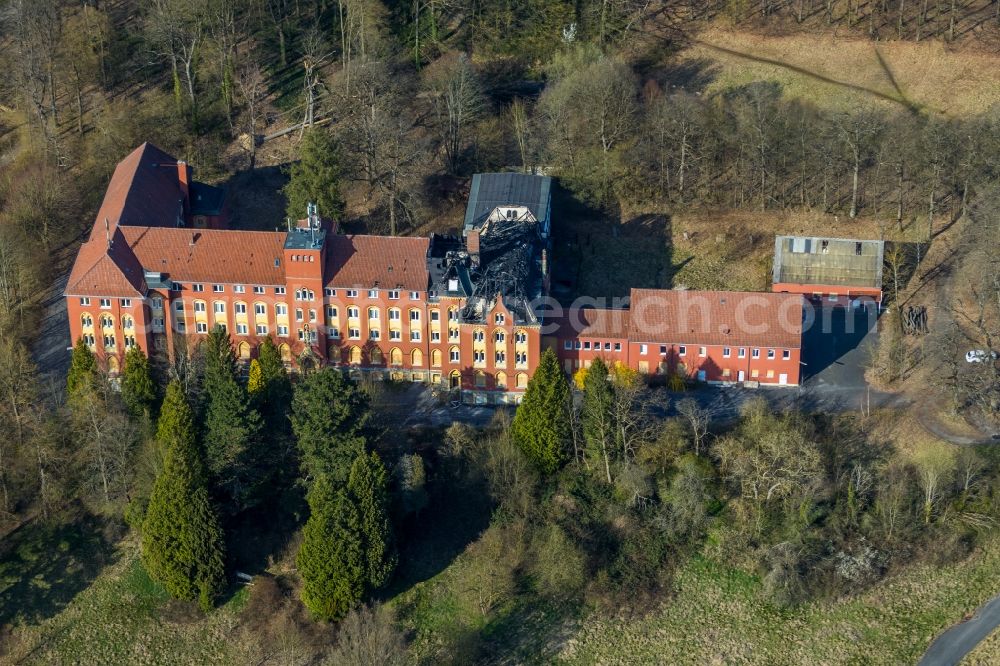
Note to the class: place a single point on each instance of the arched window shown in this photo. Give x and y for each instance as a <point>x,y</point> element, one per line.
<point>499,337</point>
<point>244,351</point>
<point>478,335</point>
<point>520,337</point>
<point>436,358</point>
<point>454,355</point>
<point>480,379</point>
<point>416,358</point>
<point>286,352</point>
<point>455,379</point>
<point>373,313</point>
<point>501,380</point>
<point>452,314</point>
<point>354,356</point>
<point>87,320</point>
<point>377,357</point>
<point>260,311</point>
<point>395,356</point>
<point>113,366</point>
<point>107,321</point>
<point>127,322</point>
<point>522,380</point>
<point>394,314</point>
<point>200,307</point>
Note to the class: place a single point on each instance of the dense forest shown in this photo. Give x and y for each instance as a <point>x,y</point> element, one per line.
<point>598,488</point>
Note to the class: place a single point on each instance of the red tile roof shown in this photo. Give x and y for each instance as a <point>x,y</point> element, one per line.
<point>593,322</point>
<point>716,318</point>
<point>210,255</point>
<point>100,271</point>
<point>143,191</point>
<point>389,262</point>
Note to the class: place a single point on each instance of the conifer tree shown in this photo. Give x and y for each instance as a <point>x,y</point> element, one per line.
<point>182,543</point>
<point>329,414</point>
<point>255,380</point>
<point>275,397</point>
<point>368,489</point>
<point>598,411</point>
<point>330,559</point>
<point>316,176</point>
<point>233,450</point>
<point>138,387</point>
<point>82,369</point>
<point>541,425</point>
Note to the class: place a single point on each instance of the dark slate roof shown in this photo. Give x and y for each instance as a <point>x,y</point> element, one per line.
<point>206,199</point>
<point>490,190</point>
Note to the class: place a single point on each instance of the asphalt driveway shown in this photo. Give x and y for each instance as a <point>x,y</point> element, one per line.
<point>837,347</point>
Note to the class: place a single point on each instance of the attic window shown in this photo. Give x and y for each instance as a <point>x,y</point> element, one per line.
<point>277,262</point>
<point>857,249</point>
<point>825,246</point>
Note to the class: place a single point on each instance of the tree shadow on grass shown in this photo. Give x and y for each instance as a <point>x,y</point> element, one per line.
<point>45,564</point>
<point>533,630</point>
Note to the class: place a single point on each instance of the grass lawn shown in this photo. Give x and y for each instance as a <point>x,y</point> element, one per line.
<point>125,618</point>
<point>842,74</point>
<point>718,615</point>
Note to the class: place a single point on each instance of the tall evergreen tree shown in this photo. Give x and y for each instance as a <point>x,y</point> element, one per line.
<point>329,414</point>
<point>316,176</point>
<point>233,450</point>
<point>598,417</point>
<point>182,543</point>
<point>82,369</point>
<point>541,425</point>
<point>255,380</point>
<point>138,387</point>
<point>274,398</point>
<point>330,559</point>
<point>368,488</point>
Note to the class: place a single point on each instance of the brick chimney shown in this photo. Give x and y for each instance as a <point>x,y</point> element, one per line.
<point>472,241</point>
<point>184,180</point>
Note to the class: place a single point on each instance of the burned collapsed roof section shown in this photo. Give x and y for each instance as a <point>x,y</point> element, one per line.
<point>505,259</point>
<point>491,191</point>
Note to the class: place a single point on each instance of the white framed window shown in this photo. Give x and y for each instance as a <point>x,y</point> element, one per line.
<point>373,314</point>
<point>742,353</point>
<point>84,300</point>
<point>726,352</point>
<point>157,303</point>
<point>106,303</point>
<point>352,293</point>
<point>702,351</point>
<point>432,294</point>
<point>414,295</point>
<point>333,332</point>
<point>607,346</point>
<point>197,287</point>
<point>500,337</point>
<point>279,291</point>
<point>283,331</point>
<point>643,349</point>
<point>520,337</point>
<point>331,312</point>
<point>175,286</point>
<point>126,302</point>
<point>500,358</point>
<point>199,306</point>
<point>354,333</point>
<point>755,353</point>
<point>586,345</point>
<point>453,355</point>
<point>393,294</point>
<point>261,329</point>
<point>218,288</point>
<point>281,309</point>
<point>259,309</point>
<point>258,290</point>
<point>395,334</point>
<point>618,346</point>
<point>241,329</point>
<point>201,327</point>
<point>374,334</point>
<point>312,315</point>
<point>414,336</point>
<point>239,289</point>
<point>329,292</point>
<point>479,356</point>
<point>499,319</point>
<point>373,293</point>
<point>414,315</point>
<point>394,314</point>
<point>770,353</point>
<point>568,344</point>
<point>298,314</point>
<point>453,334</point>
<point>435,336</point>
<point>786,354</point>
<point>241,308</point>
<point>353,312</point>
<point>682,350</point>
<point>219,307</point>
<point>520,359</point>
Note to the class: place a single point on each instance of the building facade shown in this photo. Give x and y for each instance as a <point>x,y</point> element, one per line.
<point>468,314</point>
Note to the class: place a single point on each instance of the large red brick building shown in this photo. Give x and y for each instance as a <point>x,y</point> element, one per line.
<point>161,269</point>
